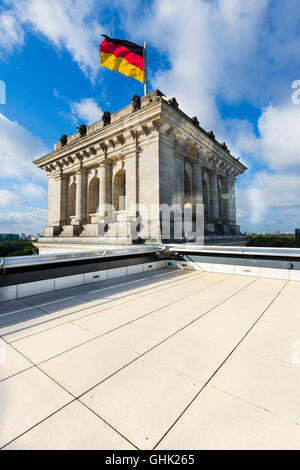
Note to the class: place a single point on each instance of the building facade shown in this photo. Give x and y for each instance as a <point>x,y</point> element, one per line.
<point>108,181</point>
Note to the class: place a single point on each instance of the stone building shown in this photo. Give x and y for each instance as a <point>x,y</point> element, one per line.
<point>148,153</point>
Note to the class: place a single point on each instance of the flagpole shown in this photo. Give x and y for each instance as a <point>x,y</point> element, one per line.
<point>145,69</point>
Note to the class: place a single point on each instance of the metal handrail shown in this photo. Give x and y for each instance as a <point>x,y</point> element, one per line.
<point>33,260</point>
<point>235,250</point>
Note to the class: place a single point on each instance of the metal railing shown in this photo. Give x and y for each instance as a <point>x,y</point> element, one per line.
<point>34,260</point>
<point>235,250</point>
<point>133,250</point>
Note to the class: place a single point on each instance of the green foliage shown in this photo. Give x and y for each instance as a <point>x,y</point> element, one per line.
<point>276,241</point>
<point>16,248</point>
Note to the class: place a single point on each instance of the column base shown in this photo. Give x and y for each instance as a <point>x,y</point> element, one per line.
<point>52,231</point>
<point>71,230</point>
<point>95,230</point>
<point>234,229</point>
<point>210,227</point>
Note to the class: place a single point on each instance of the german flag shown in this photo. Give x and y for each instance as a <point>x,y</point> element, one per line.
<point>123,56</point>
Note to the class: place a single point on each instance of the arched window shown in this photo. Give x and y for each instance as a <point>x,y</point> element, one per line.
<point>94,196</point>
<point>205,197</point>
<point>187,189</point>
<point>72,200</point>
<point>120,191</point>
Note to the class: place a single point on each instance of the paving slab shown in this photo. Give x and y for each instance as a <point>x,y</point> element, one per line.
<point>50,297</point>
<point>129,287</point>
<point>272,343</point>
<point>142,400</point>
<point>149,331</point>
<point>49,343</point>
<point>114,317</point>
<point>11,362</point>
<point>26,399</point>
<point>83,367</point>
<point>217,420</point>
<point>269,383</point>
<point>251,400</point>
<point>16,315</point>
<point>200,348</point>
<point>72,428</point>
<point>27,327</point>
<point>12,306</point>
<point>283,314</point>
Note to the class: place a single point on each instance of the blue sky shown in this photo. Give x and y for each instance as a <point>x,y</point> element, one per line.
<point>232,63</point>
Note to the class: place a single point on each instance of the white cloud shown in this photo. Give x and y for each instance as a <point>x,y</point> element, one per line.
<point>87,109</point>
<point>280,136</point>
<point>270,201</point>
<point>68,24</point>
<point>22,195</point>
<point>32,221</point>
<point>34,192</point>
<point>11,33</point>
<point>211,48</point>
<point>18,147</point>
<point>228,51</point>
<point>9,198</point>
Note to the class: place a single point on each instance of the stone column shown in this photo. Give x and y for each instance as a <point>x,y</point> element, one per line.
<point>214,200</point>
<point>225,198</point>
<point>81,198</point>
<point>197,198</point>
<point>206,197</point>
<point>197,190</point>
<point>104,188</point>
<point>131,167</point>
<point>231,201</point>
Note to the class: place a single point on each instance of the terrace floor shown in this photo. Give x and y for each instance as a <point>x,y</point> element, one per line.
<point>167,360</point>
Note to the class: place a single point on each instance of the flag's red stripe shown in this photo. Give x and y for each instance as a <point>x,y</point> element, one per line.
<point>121,51</point>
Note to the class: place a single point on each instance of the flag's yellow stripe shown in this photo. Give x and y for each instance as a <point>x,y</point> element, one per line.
<point>120,64</point>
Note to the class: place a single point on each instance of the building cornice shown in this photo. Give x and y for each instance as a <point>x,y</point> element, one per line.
<point>156,118</point>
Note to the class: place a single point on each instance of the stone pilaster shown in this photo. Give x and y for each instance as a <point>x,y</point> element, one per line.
<point>57,204</point>
<point>57,200</point>
<point>214,200</point>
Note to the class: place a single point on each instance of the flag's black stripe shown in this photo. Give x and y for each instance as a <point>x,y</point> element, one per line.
<point>131,46</point>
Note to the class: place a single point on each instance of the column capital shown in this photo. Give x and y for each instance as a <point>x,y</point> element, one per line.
<point>212,174</point>
<point>231,179</point>
<point>197,162</point>
<point>106,163</point>
<point>60,176</point>
<point>81,171</point>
